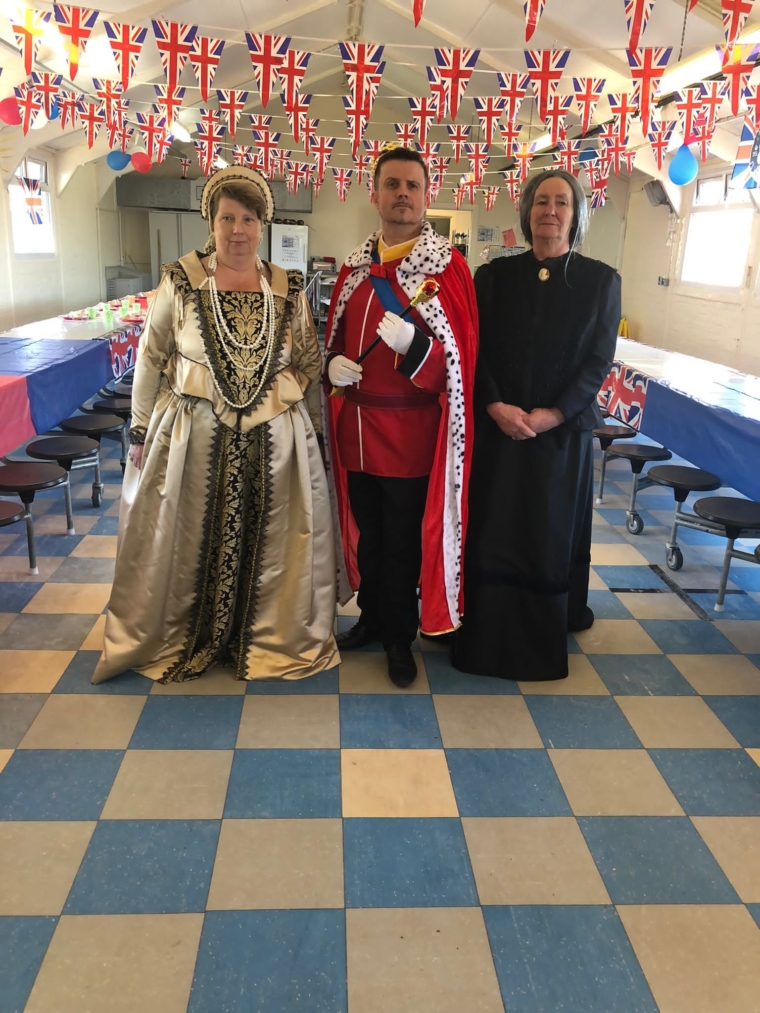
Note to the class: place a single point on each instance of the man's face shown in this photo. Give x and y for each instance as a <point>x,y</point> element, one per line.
<point>400,193</point>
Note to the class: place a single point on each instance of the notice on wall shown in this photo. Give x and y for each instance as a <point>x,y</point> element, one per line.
<point>487,235</point>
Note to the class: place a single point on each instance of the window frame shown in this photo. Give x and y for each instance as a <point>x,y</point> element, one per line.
<point>22,169</point>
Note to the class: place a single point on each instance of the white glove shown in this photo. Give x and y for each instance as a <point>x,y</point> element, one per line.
<point>343,372</point>
<point>398,334</point>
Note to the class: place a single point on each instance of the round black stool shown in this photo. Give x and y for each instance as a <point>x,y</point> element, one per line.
<point>94,426</point>
<point>121,406</point>
<point>731,517</point>
<point>682,481</point>
<point>638,455</point>
<point>607,434</point>
<point>24,479</point>
<point>10,513</point>
<point>123,388</point>
<point>65,450</point>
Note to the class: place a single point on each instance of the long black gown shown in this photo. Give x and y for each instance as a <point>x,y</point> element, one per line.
<point>543,344</point>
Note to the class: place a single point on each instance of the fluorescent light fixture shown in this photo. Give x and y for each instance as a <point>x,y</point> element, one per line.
<point>544,141</point>
<point>700,67</point>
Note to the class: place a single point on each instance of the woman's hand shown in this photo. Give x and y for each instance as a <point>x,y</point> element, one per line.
<point>541,420</point>
<point>511,420</point>
<point>136,454</point>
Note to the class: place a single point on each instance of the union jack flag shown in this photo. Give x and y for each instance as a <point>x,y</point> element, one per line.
<point>742,176</point>
<point>169,100</point>
<point>67,106</point>
<point>533,11</point>
<point>362,63</point>
<point>92,117</point>
<point>437,90</point>
<point>567,155</point>
<point>477,156</point>
<point>703,137</point>
<point>436,182</point>
<point>513,88</point>
<point>231,103</point>
<point>510,135</point>
<point>512,183</point>
<point>490,193</point>
<point>458,135</point>
<point>280,159</point>
<point>752,98</point>
<point>47,86</point>
<point>556,113</point>
<point>598,196</point>
<point>637,14</point>
<point>204,55</point>
<point>291,73</point>
<point>317,186</point>
<point>523,154</point>
<point>734,16</point>
<point>458,196</point>
<point>260,122</point>
<point>297,113</point>
<point>28,27</point>
<point>406,133</point>
<point>164,141</point>
<point>29,104</point>
<point>375,148</point>
<point>76,25</point>
<point>109,92</point>
<point>455,67</point>
<point>124,136</point>
<point>31,188</point>
<point>267,54</point>
<point>623,110</point>
<point>545,68</point>
<point>185,163</point>
<point>308,132</point>
<point>424,113</point>
<point>659,135</point>
<point>267,143</point>
<point>174,41</point>
<point>489,111</point>
<point>151,125</point>
<point>647,67</point>
<point>322,149</point>
<point>210,120</point>
<point>469,188</point>
<point>738,63</point>
<point>209,146</point>
<point>690,106</point>
<point>356,120</point>
<point>624,394</point>
<point>126,46</point>
<point>297,175</point>
<point>114,128</point>
<point>439,166</point>
<point>428,150</point>
<point>616,149</point>
<point>588,91</point>
<point>363,164</point>
<point>242,154</point>
<point>713,94</point>
<point>342,181</point>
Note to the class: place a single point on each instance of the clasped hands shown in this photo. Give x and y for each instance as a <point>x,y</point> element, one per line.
<point>398,335</point>
<point>520,425</point>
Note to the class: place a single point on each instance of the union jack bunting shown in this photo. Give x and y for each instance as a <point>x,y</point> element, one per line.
<point>150,126</point>
<point>374,148</point>
<point>185,163</point>
<point>647,67</point>
<point>469,188</point>
<point>342,181</point>
<point>513,88</point>
<point>458,196</point>
<point>437,90</point>
<point>637,14</point>
<point>29,104</point>
<point>458,135</point>
<point>119,111</point>
<point>428,150</point>
<point>280,159</point>
<point>297,113</point>
<point>752,98</point>
<point>742,176</point>
<point>533,11</point>
<point>624,393</point>
<point>567,156</point>
<point>510,135</point>
<point>356,120</point>
<point>523,154</point>
<point>477,156</point>
<point>362,63</point>
<point>169,100</point>
<point>297,175</point>
<point>317,186</point>
<point>164,141</point>
<point>75,24</point>
<point>692,4</point>
<point>31,188</point>
<point>91,116</point>
<point>174,41</point>
<point>439,166</point>
<point>703,137</point>
<point>267,143</point>
<point>259,122</point>
<point>208,152</point>
<point>557,109</point>
<point>47,87</point>
<point>616,146</point>
<point>713,94</point>
<point>108,92</point>
<point>545,68</point>
<point>114,127</point>
<point>598,196</point>
<point>204,55</point>
<point>242,154</point>
<point>363,164</point>
<point>587,91</point>
<point>512,183</point>
<point>309,171</point>
<point>734,16</point>
<point>231,104</point>
<point>321,150</point>
<point>623,110</point>
<point>267,54</point>
<point>424,113</point>
<point>455,67</point>
<point>124,136</point>
<point>291,73</point>
<point>406,133</point>
<point>434,188</point>
<point>690,110</point>
<point>658,135</point>
<point>308,133</point>
<point>28,26</point>
<point>126,46</point>
<point>490,193</point>
<point>738,64</point>
<point>489,111</point>
<point>67,106</point>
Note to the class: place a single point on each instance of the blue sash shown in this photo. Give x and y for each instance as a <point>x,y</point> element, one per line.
<point>388,298</point>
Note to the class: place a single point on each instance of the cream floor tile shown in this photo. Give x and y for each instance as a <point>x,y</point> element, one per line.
<point>71,721</point>
<point>582,680</point>
<point>96,547</point>
<point>486,722</point>
<point>39,863</point>
<point>656,606</point>
<point>697,958</point>
<point>5,755</point>
<point>616,636</point>
<point>534,860</point>
<point>303,860</point>
<point>214,682</point>
<point>94,639</point>
<point>32,671</point>
<point>290,722</point>
<point>421,960</point>
<point>675,722</point>
<point>755,754</point>
<point>367,672</point>
<point>65,599</point>
<point>595,582</point>
<point>613,782</point>
<point>170,784</point>
<point>118,964</point>
<point>16,568</point>
<point>616,555</point>
<point>351,608</point>
<point>396,782</point>
<point>735,842</point>
<point>6,618</point>
<point>743,634</point>
<point>55,524</point>
<point>719,674</point>
<point>113,510</point>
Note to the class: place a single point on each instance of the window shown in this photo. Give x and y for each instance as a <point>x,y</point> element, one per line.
<point>31,237</point>
<point>718,236</point>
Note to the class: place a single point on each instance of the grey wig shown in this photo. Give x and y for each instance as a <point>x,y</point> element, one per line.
<point>579,228</point>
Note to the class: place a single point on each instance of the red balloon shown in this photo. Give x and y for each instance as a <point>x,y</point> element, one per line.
<point>141,161</point>
<point>9,112</point>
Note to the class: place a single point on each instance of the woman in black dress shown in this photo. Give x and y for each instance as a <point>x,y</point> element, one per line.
<point>548,327</point>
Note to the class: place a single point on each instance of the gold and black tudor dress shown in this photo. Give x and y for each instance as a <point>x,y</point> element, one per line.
<point>226,548</point>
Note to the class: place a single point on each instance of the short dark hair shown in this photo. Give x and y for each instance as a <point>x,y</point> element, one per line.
<point>244,193</point>
<point>400,155</point>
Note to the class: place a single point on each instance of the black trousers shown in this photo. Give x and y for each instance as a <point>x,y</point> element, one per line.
<point>388,513</point>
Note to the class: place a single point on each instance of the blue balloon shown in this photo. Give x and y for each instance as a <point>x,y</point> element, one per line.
<point>684,167</point>
<point>55,110</point>
<point>118,160</point>
<point>588,155</point>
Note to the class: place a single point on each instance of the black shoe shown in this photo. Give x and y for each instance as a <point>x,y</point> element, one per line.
<point>585,622</point>
<point>439,638</point>
<point>358,636</point>
<point>402,669</point>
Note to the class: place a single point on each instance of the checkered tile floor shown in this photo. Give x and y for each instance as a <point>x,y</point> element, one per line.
<point>590,846</point>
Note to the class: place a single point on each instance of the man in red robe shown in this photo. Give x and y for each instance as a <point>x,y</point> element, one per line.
<point>401,420</point>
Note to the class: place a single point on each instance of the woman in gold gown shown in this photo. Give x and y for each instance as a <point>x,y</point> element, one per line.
<point>226,547</point>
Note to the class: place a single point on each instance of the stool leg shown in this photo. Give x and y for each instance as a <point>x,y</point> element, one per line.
<point>124,448</point>
<point>97,482</point>
<point>33,568</point>
<point>718,607</point>
<point>67,500</point>
<point>602,473</point>
<point>634,490</point>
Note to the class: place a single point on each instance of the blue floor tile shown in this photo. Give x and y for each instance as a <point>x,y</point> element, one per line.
<point>188,722</point>
<point>271,962</point>
<point>581,722</point>
<point>651,499</point>
<point>735,606</point>
<point>407,863</point>
<point>445,679</point>
<point>46,545</point>
<point>634,577</point>
<point>558,959</point>
<point>573,647</point>
<point>145,867</point>
<point>754,910</point>
<point>655,860</point>
<point>78,679</point>
<point>640,675</point>
<point>14,595</point>
<point>106,526</point>
<point>321,683</point>
<point>741,715</point>
<point>618,517</point>
<point>23,944</point>
<point>282,783</point>
<point>376,721</point>
<point>506,782</point>
<point>17,713</point>
<point>711,782</point>
<point>606,605</point>
<point>755,659</point>
<point>746,577</point>
<point>57,784</point>
<point>687,636</point>
<point>689,536</point>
